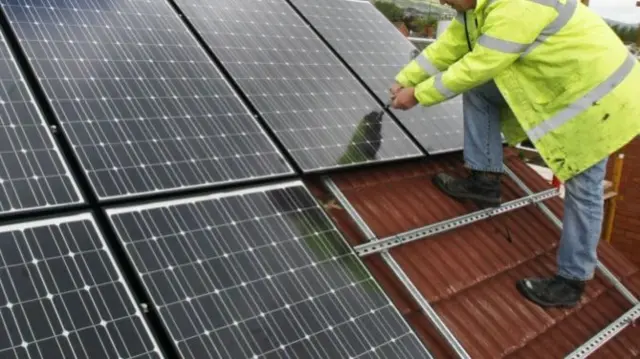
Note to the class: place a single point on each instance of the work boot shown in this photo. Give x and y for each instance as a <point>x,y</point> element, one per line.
<point>552,292</point>
<point>481,187</point>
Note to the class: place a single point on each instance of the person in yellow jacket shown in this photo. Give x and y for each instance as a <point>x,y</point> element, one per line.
<point>551,71</point>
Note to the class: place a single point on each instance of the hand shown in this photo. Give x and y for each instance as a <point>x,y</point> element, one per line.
<point>405,99</point>
<point>395,89</point>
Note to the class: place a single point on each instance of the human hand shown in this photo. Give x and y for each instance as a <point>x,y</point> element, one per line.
<point>404,99</point>
<point>395,89</point>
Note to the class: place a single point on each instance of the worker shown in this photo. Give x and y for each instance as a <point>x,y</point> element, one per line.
<point>552,72</point>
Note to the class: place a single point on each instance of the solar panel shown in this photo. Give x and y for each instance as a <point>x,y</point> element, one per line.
<point>62,295</point>
<point>377,51</point>
<point>143,105</point>
<point>316,107</point>
<point>33,174</point>
<point>260,273</point>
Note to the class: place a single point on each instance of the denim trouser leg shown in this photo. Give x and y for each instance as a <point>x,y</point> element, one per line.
<point>482,135</point>
<point>584,197</point>
<point>582,223</point>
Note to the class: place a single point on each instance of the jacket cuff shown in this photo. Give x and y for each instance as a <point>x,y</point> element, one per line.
<point>402,79</point>
<point>427,93</point>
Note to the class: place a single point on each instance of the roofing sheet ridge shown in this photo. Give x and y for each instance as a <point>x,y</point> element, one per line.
<point>374,191</point>
<point>464,290</point>
<point>557,322</point>
<point>593,317</point>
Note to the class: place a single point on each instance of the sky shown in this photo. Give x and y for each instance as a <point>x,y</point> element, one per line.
<point>620,10</point>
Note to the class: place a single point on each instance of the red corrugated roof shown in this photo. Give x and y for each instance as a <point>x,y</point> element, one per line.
<point>468,274</point>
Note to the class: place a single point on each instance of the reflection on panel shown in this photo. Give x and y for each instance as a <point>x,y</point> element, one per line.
<point>260,273</point>
<point>311,101</point>
<point>377,51</point>
<point>62,295</point>
<point>145,108</point>
<point>33,174</point>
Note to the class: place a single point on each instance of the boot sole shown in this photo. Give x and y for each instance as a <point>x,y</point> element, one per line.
<point>480,201</point>
<point>541,303</point>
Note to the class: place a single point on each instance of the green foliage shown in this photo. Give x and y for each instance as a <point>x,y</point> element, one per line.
<point>626,33</point>
<point>390,10</point>
<point>418,24</point>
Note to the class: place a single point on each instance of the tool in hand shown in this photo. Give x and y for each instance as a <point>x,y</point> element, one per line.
<point>384,109</point>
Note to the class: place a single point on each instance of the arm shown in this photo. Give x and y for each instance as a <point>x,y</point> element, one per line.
<point>505,36</point>
<point>447,49</point>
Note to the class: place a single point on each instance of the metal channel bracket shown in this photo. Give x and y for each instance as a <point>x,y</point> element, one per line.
<point>606,334</point>
<point>397,270</point>
<point>605,271</point>
<point>376,246</point>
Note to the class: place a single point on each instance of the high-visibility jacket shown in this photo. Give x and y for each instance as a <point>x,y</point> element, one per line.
<point>571,85</point>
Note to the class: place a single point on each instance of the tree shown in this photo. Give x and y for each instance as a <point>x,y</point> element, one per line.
<point>626,33</point>
<point>421,23</point>
<point>390,10</point>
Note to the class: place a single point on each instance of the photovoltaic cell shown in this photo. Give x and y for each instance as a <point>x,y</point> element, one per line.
<point>317,108</point>
<point>143,105</point>
<point>62,296</point>
<point>33,175</point>
<point>377,51</point>
<point>260,273</point>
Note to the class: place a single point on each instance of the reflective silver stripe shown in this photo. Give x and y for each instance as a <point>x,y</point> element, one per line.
<point>501,45</point>
<point>427,65</point>
<point>585,102</point>
<point>441,88</point>
<point>552,3</point>
<point>565,12</point>
<point>541,2</point>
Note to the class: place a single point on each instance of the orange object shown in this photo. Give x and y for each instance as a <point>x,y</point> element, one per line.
<point>611,205</point>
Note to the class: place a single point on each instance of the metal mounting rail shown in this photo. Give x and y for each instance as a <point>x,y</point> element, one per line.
<point>384,244</point>
<point>605,271</point>
<point>397,270</point>
<point>606,334</point>
<point>614,328</point>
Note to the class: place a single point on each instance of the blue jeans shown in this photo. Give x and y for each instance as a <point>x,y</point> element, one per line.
<point>584,197</point>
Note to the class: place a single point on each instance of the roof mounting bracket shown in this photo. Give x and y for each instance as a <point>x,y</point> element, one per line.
<point>375,246</point>
<point>606,334</point>
<point>424,305</point>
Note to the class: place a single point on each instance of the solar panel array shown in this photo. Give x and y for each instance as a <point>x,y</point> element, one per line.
<point>279,276</point>
<point>377,51</point>
<point>33,174</point>
<point>316,107</point>
<point>128,118</point>
<point>144,107</point>
<point>62,295</point>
